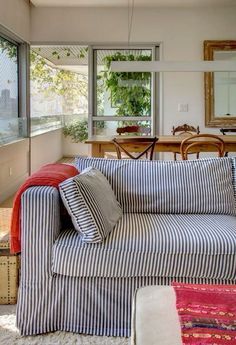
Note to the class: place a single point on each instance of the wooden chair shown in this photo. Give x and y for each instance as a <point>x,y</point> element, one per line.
<point>133,129</point>
<point>185,130</point>
<point>148,143</point>
<point>227,130</point>
<point>190,143</point>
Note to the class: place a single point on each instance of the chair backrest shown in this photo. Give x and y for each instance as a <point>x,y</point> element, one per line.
<point>133,129</point>
<point>206,140</point>
<point>227,130</point>
<point>185,129</point>
<point>144,146</point>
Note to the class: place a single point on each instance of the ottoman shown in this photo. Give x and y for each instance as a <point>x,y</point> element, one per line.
<point>154,317</point>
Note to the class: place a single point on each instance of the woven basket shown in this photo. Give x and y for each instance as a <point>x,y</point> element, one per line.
<point>9,264</point>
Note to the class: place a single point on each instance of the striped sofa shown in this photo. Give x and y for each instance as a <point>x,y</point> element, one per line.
<point>178,224</point>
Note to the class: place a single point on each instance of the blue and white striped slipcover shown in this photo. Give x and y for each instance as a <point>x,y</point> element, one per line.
<point>91,203</point>
<point>161,245</point>
<point>88,288</point>
<point>196,186</point>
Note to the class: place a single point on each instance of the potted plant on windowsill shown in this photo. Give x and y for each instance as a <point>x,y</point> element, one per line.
<point>75,134</point>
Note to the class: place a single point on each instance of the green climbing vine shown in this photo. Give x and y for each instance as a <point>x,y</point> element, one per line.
<point>130,91</point>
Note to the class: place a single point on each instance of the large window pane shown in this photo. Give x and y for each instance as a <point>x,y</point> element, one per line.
<point>59,86</point>
<point>123,93</point>
<point>10,126</point>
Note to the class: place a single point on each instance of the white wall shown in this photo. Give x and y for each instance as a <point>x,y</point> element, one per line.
<point>14,159</point>
<point>46,148</point>
<point>14,163</point>
<point>181,32</point>
<point>71,149</point>
<point>15,16</point>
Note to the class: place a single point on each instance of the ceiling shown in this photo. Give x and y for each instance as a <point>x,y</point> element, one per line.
<point>137,3</point>
<point>74,55</point>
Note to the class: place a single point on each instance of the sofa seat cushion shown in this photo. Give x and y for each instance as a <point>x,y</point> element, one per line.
<point>202,186</point>
<point>153,245</point>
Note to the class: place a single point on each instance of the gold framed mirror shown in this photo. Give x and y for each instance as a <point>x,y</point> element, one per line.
<point>220,87</point>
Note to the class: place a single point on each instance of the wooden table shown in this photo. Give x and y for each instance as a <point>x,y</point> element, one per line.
<point>166,143</point>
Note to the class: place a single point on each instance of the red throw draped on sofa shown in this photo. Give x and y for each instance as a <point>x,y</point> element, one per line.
<point>207,313</point>
<point>49,175</point>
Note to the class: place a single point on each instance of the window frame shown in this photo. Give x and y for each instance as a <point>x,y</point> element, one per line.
<point>56,45</point>
<point>155,48</point>
<point>22,79</point>
<point>157,94</point>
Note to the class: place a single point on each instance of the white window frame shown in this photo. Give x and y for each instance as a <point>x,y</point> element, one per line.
<point>154,95</point>
<point>23,77</point>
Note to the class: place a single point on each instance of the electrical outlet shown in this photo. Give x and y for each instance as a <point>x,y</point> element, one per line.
<point>183,107</point>
<point>10,171</point>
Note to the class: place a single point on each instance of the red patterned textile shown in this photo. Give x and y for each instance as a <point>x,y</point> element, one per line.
<point>207,313</point>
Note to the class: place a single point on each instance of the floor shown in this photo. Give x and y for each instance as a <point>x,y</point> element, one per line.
<point>7,203</point>
<point>68,160</point>
<point>9,334</point>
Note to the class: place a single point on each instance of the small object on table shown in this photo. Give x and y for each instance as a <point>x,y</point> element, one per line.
<point>9,263</point>
<point>141,130</point>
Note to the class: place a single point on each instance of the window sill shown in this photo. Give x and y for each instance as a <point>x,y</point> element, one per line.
<point>12,142</point>
<point>44,131</point>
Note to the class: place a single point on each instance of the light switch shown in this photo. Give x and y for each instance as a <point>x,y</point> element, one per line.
<point>182,107</point>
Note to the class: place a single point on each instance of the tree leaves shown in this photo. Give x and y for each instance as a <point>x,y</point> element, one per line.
<point>72,86</point>
<point>9,48</point>
<point>77,130</point>
<point>130,91</point>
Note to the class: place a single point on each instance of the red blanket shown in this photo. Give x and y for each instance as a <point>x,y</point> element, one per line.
<point>207,313</point>
<point>48,175</point>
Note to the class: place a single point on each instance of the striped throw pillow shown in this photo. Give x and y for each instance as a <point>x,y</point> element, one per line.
<point>91,203</point>
<point>203,186</point>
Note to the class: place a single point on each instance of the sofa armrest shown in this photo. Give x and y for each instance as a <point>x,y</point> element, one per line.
<point>40,226</point>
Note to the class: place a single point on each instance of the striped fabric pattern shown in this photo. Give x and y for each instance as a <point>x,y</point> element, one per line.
<point>233,160</point>
<point>153,245</point>
<point>165,187</point>
<point>91,203</point>
<point>93,305</point>
<point>96,306</point>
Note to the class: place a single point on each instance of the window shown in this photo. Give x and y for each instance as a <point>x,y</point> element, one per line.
<point>59,87</point>
<point>11,126</point>
<point>72,87</point>
<point>121,99</point>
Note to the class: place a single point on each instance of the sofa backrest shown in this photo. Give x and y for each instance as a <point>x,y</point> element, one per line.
<point>233,160</point>
<point>202,186</point>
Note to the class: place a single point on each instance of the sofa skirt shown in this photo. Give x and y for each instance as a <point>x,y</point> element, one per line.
<point>89,305</point>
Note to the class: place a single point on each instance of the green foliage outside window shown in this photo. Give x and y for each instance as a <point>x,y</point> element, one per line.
<point>130,91</point>
<point>131,100</point>
<point>77,130</point>
<point>70,85</point>
<point>9,48</point>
